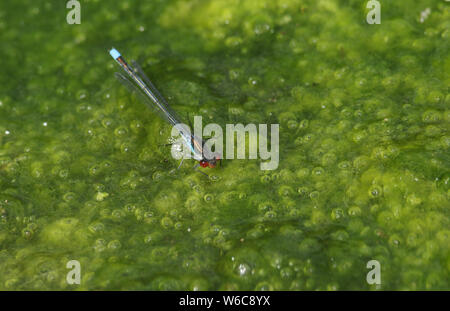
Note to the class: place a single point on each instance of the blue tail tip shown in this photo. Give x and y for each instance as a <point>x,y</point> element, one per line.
<point>114,53</point>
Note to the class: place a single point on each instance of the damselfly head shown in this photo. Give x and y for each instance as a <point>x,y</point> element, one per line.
<point>204,163</point>
<point>209,163</point>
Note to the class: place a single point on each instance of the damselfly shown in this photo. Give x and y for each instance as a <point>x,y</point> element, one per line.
<point>136,81</point>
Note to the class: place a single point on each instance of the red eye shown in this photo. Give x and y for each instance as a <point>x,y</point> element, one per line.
<point>203,163</point>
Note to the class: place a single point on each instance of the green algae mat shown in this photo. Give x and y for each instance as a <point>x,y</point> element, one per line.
<point>363,175</point>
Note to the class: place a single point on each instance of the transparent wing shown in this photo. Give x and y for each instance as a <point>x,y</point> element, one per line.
<point>142,96</point>
<point>139,72</point>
